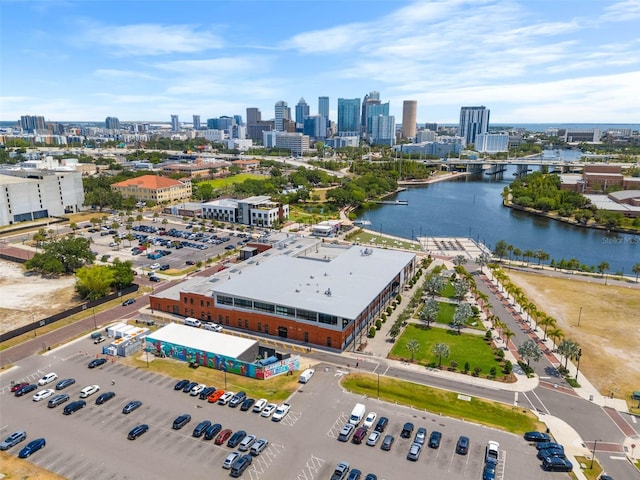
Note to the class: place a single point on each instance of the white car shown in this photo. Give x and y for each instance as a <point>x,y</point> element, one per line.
<point>370,420</point>
<point>214,327</point>
<point>259,405</point>
<point>88,391</point>
<point>281,412</point>
<point>268,410</point>
<point>373,438</point>
<point>48,378</point>
<point>224,399</point>
<point>155,266</point>
<point>197,389</point>
<point>42,394</point>
<point>230,459</point>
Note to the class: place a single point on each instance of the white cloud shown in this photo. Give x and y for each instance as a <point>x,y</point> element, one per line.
<point>114,73</point>
<point>222,65</point>
<point>622,11</point>
<point>150,39</point>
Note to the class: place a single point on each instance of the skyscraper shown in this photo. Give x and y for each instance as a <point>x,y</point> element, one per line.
<point>175,123</point>
<point>323,107</point>
<point>302,110</point>
<point>253,116</point>
<point>409,112</point>
<point>349,116</point>
<point>31,123</point>
<point>112,123</point>
<point>371,98</point>
<point>374,110</point>
<point>383,129</point>
<point>196,122</point>
<point>283,112</point>
<point>315,126</point>
<point>473,120</point>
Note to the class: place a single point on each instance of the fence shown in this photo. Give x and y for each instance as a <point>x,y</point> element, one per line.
<point>59,316</point>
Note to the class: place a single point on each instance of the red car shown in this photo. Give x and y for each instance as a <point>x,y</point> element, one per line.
<point>215,396</point>
<point>223,436</point>
<point>18,386</point>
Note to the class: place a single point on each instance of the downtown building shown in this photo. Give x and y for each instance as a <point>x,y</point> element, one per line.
<point>473,120</point>
<point>258,211</point>
<point>349,116</point>
<point>492,142</point>
<point>409,115</point>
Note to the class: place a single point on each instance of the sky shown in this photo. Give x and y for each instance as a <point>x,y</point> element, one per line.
<point>528,61</point>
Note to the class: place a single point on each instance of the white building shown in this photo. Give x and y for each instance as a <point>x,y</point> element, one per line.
<point>492,142</point>
<point>425,136</point>
<point>31,194</point>
<point>258,211</point>
<point>212,135</point>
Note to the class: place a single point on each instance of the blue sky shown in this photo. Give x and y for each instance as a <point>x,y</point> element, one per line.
<point>527,60</point>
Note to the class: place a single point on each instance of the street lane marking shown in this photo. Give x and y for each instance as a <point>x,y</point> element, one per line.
<point>616,457</point>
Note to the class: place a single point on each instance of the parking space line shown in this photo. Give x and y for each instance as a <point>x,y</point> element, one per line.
<point>311,468</point>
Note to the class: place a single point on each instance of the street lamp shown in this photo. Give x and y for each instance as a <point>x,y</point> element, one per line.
<point>579,316</point>
<point>578,366</point>
<point>593,457</point>
<point>378,386</point>
<point>95,324</point>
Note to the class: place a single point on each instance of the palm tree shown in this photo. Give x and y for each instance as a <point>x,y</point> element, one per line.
<point>441,350</point>
<point>547,321</point>
<point>555,334</point>
<point>484,259</point>
<point>430,311</point>
<point>531,310</point>
<point>508,335</point>
<point>459,260</point>
<point>636,269</point>
<point>527,254</point>
<point>413,346</point>
<point>568,349</point>
<point>462,313</point>
<point>603,267</point>
<point>530,351</point>
<point>517,253</point>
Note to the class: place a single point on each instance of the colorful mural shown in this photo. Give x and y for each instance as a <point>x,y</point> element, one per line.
<point>220,362</point>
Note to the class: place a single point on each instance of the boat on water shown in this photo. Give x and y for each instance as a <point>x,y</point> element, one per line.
<point>362,223</point>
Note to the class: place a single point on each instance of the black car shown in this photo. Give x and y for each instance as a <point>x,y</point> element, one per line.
<point>96,362</point>
<point>62,384</point>
<point>165,267</point>
<point>153,278</point>
<point>74,407</point>
<point>181,421</point>
<point>131,406</point>
<point>204,394</point>
<point>240,465</point>
<point>212,431</point>
<point>237,399</point>
<point>128,301</point>
<point>137,431</point>
<point>187,388</point>
<point>236,438</point>
<point>546,445</point>
<point>462,447</point>
<point>551,452</point>
<point>247,404</point>
<point>407,430</point>
<point>201,428</point>
<point>536,437</point>
<point>387,442</point>
<point>434,439</point>
<point>382,424</point>
<point>57,400</point>
<point>105,397</point>
<point>181,384</point>
<point>26,389</point>
<point>557,464</point>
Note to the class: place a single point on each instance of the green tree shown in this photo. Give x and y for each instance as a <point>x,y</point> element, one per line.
<point>460,287</point>
<point>603,267</point>
<point>123,274</point>
<point>547,321</point>
<point>459,260</point>
<point>500,249</point>
<point>441,350</point>
<point>636,269</point>
<point>430,311</point>
<point>508,335</point>
<point>413,346</point>
<point>70,252</point>
<point>94,282</point>
<point>434,285</point>
<point>530,351</point>
<point>568,349</point>
<point>462,313</point>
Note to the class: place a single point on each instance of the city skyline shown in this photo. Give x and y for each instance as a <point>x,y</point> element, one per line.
<point>538,63</point>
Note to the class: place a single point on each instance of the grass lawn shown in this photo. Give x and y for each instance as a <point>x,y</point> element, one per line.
<point>383,241</point>
<point>226,181</point>
<point>463,348</point>
<point>312,213</point>
<point>590,473</point>
<point>445,314</point>
<point>274,389</point>
<point>448,291</point>
<point>504,417</point>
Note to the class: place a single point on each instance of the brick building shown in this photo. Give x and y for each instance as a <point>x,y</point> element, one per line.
<point>154,188</point>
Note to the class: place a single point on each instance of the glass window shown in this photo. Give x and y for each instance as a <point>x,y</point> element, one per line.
<point>224,300</point>
<point>242,303</point>
<point>264,307</point>
<point>285,311</point>
<point>328,319</point>
<point>306,315</point>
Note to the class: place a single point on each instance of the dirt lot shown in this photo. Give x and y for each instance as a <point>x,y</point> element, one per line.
<point>28,298</point>
<point>608,331</point>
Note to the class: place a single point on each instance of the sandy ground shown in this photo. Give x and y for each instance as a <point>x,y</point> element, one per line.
<point>608,333</point>
<point>28,298</point>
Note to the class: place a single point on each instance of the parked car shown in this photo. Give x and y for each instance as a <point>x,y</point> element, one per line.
<point>215,396</point>
<point>268,410</point>
<point>537,437</point>
<point>212,431</point>
<point>258,446</point>
<point>370,420</point>
<point>28,388</point>
<point>346,432</point>
<point>195,391</point>
<point>354,474</point>
<point>153,278</point>
<point>546,445</point>
<point>340,472</point>
<point>138,430</point>
<point>42,394</point>
<point>382,424</point>
<point>104,397</point>
<point>237,399</point>
<point>551,452</point>
<point>489,471</point>
<point>57,400</point>
<point>421,436</point>
<point>247,404</point>
<point>189,386</point>
<point>434,439</point>
<point>18,386</point>
<point>414,452</point>
<point>89,390</point>
<point>181,384</point>
<point>201,428</point>
<point>214,327</point>
<point>48,378</point>
<point>225,398</point>
<point>181,421</point>
<point>407,430</point>
<point>13,439</point>
<point>557,464</point>
<point>491,452</point>
<point>281,411</point>
<point>131,406</point>
<point>204,394</point>
<point>236,438</point>
<point>32,447</point>
<point>99,340</point>
<point>373,438</point>
<point>462,446</point>
<point>371,476</point>
<point>74,407</point>
<point>232,457</point>
<point>96,362</point>
<point>223,436</point>
<point>62,384</point>
<point>259,405</point>
<point>246,443</point>
<point>387,442</point>
<point>358,435</point>
<point>240,465</point>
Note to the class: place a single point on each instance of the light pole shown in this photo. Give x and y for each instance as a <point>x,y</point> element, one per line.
<point>578,366</point>
<point>579,316</point>
<point>593,457</point>
<point>378,386</point>
<point>95,323</point>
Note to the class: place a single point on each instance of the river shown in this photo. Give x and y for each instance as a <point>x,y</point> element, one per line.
<point>472,207</point>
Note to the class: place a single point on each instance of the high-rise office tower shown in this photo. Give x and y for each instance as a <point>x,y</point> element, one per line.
<point>315,126</point>
<point>383,129</point>
<point>196,122</point>
<point>253,116</point>
<point>409,112</point>
<point>175,123</point>
<point>349,115</point>
<point>302,110</point>
<point>371,98</point>
<point>323,107</point>
<point>374,110</point>
<point>112,123</point>
<point>473,120</point>
<point>283,112</point>
<point>238,119</point>
<point>31,123</point>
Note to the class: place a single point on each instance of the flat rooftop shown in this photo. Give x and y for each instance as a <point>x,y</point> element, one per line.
<point>203,340</point>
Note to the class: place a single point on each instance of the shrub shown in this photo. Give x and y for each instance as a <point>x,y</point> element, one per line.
<point>466,367</point>
<point>493,371</point>
<point>389,310</point>
<point>476,371</point>
<point>384,317</point>
<point>378,324</point>
<point>508,367</point>
<point>488,335</point>
<point>372,332</point>
<point>453,365</point>
<point>500,354</point>
<point>398,298</point>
